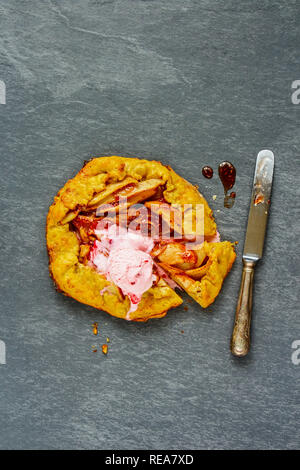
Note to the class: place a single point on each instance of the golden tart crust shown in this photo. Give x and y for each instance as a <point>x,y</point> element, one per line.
<point>95,183</point>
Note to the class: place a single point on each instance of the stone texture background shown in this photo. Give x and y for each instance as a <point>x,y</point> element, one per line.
<point>188,82</point>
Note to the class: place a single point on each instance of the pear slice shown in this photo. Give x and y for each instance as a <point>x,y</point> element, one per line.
<point>175,254</point>
<point>133,193</point>
<point>103,196</point>
<point>171,214</point>
<point>198,273</point>
<point>184,221</point>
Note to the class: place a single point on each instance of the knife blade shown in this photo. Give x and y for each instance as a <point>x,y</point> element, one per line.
<point>253,249</point>
<point>259,206</point>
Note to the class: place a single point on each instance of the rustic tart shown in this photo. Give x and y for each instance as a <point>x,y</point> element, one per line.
<point>100,261</point>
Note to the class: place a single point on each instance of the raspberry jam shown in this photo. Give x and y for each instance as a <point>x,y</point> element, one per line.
<point>207,172</point>
<point>227,174</point>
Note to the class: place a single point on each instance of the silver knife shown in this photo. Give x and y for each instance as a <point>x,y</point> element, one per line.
<point>253,249</point>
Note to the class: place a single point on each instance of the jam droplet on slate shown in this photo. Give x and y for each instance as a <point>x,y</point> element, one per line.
<point>227,174</point>
<point>207,172</point>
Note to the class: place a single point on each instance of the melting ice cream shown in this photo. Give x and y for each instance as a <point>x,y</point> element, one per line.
<point>124,258</point>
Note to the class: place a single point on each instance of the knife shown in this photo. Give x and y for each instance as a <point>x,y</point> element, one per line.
<point>253,249</point>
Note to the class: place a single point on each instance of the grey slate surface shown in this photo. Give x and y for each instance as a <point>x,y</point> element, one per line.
<point>188,83</point>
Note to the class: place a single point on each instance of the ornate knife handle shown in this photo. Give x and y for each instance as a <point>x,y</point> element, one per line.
<point>240,341</point>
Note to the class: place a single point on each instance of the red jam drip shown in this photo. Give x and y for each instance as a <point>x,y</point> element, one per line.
<point>227,174</point>
<point>207,172</point>
<point>259,198</point>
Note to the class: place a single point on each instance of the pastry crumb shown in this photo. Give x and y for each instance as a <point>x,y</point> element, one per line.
<point>214,197</point>
<point>95,328</point>
<point>107,340</point>
<point>104,348</point>
<point>182,331</point>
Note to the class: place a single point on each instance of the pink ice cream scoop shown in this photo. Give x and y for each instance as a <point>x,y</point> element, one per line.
<point>123,257</point>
